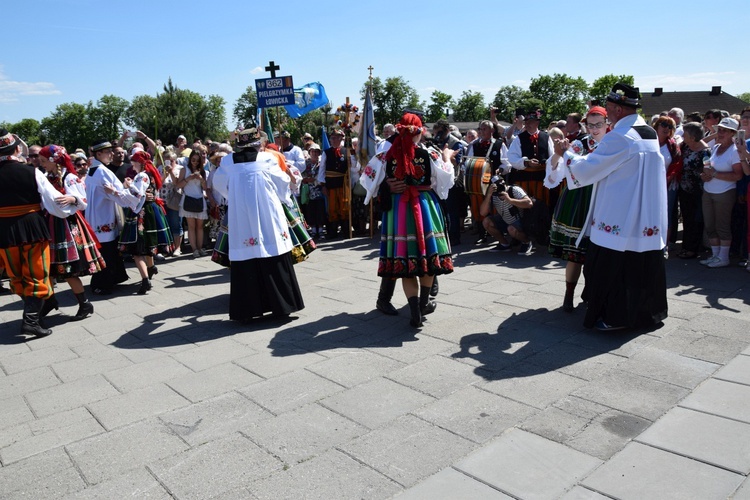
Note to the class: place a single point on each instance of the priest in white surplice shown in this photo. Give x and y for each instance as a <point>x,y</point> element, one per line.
<point>260,246</point>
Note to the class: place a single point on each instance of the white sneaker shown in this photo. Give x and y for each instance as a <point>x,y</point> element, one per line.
<point>718,263</point>
<point>176,253</point>
<point>203,252</point>
<point>707,261</point>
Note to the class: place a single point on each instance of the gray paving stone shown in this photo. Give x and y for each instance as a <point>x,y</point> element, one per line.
<point>136,405</point>
<point>534,387</point>
<point>48,475</point>
<point>83,367</point>
<point>213,353</point>
<point>737,370</point>
<point>555,424</point>
<point>527,466</point>
<point>576,361</point>
<point>632,393</point>
<point>735,327</point>
<point>66,335</point>
<point>267,364</point>
<point>708,438</point>
<point>581,493</point>
<point>290,390</point>
<point>15,434</point>
<point>669,367</point>
<point>213,468</point>
<point>28,381</point>
<point>329,475</point>
<point>408,450</point>
<point>410,352</point>
<point>475,414</point>
<point>14,411</point>
<point>437,376</point>
<point>51,432</point>
<point>135,484</point>
<point>212,382</point>
<point>368,366</point>
<point>725,399</point>
<point>301,434</point>
<point>146,373</point>
<point>607,434</point>
<point>36,359</point>
<point>376,402</point>
<point>710,348</point>
<point>743,492</point>
<point>70,395</point>
<point>214,418</point>
<point>643,472</point>
<point>109,455</point>
<point>449,484</point>
<point>623,344</point>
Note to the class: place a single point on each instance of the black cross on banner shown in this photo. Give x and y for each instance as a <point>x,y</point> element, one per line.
<point>272,67</point>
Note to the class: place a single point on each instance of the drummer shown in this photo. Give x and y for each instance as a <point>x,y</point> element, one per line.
<point>496,153</point>
<point>528,154</point>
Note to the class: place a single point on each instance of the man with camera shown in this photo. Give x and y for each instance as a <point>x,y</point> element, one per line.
<point>508,202</point>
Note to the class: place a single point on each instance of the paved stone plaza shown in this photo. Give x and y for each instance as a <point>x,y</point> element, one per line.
<point>500,395</point>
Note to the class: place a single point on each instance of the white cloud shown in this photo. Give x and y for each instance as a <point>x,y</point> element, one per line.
<point>12,90</point>
<point>256,70</point>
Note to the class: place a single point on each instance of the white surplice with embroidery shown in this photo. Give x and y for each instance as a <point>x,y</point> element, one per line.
<point>254,191</point>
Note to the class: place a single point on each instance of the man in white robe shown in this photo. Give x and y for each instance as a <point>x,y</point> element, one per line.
<point>627,220</point>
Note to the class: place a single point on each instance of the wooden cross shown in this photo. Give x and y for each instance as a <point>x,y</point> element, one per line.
<point>370,68</point>
<point>272,67</point>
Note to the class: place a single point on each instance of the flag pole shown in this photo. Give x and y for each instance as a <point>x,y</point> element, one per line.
<point>369,91</point>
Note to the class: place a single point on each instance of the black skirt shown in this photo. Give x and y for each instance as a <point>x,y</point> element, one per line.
<point>624,288</point>
<point>263,285</point>
<point>114,273</point>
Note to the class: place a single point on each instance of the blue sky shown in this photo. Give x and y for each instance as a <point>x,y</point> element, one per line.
<point>78,50</point>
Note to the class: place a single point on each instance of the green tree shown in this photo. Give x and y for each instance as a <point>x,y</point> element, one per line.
<point>389,98</point>
<point>246,108</point>
<point>470,107</point>
<point>70,125</point>
<point>745,96</point>
<point>509,98</point>
<point>27,129</point>
<point>601,87</point>
<point>107,115</point>
<point>438,108</point>
<point>560,94</point>
<point>178,111</point>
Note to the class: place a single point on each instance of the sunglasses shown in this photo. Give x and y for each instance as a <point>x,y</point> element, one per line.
<point>33,156</point>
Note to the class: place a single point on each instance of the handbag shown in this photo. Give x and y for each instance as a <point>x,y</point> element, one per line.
<point>194,205</point>
<point>173,199</point>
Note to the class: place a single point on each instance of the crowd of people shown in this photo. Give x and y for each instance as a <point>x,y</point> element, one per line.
<point>584,187</point>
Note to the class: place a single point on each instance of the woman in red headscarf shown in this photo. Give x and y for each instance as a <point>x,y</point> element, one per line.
<point>146,230</point>
<point>74,248</point>
<point>414,245</point>
<point>573,206</point>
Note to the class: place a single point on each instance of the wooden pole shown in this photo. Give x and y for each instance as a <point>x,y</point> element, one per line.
<point>347,175</point>
<point>369,89</point>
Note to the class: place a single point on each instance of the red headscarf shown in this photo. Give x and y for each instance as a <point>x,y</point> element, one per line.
<point>403,147</point>
<point>59,156</point>
<point>597,110</point>
<point>144,159</point>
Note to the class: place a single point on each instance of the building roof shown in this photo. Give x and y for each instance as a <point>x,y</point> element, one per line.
<point>657,101</point>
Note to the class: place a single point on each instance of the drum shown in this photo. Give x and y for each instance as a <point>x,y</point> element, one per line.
<point>477,176</point>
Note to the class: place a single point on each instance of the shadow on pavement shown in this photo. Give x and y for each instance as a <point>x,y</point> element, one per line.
<point>521,336</point>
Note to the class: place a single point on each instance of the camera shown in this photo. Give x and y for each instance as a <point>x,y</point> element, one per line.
<point>499,183</point>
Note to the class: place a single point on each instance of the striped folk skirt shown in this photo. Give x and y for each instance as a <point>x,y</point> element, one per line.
<point>74,249</point>
<point>146,232</point>
<point>413,241</point>
<point>567,224</point>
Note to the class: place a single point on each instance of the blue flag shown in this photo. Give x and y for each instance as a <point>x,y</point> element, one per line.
<point>367,141</point>
<point>326,144</point>
<point>311,96</point>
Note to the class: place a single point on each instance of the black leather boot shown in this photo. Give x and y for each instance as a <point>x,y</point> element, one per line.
<point>85,308</point>
<point>426,306</point>
<point>387,286</point>
<point>145,286</point>
<point>49,304</point>
<point>568,305</point>
<point>152,271</point>
<point>435,288</point>
<point>416,314</point>
<point>31,324</point>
